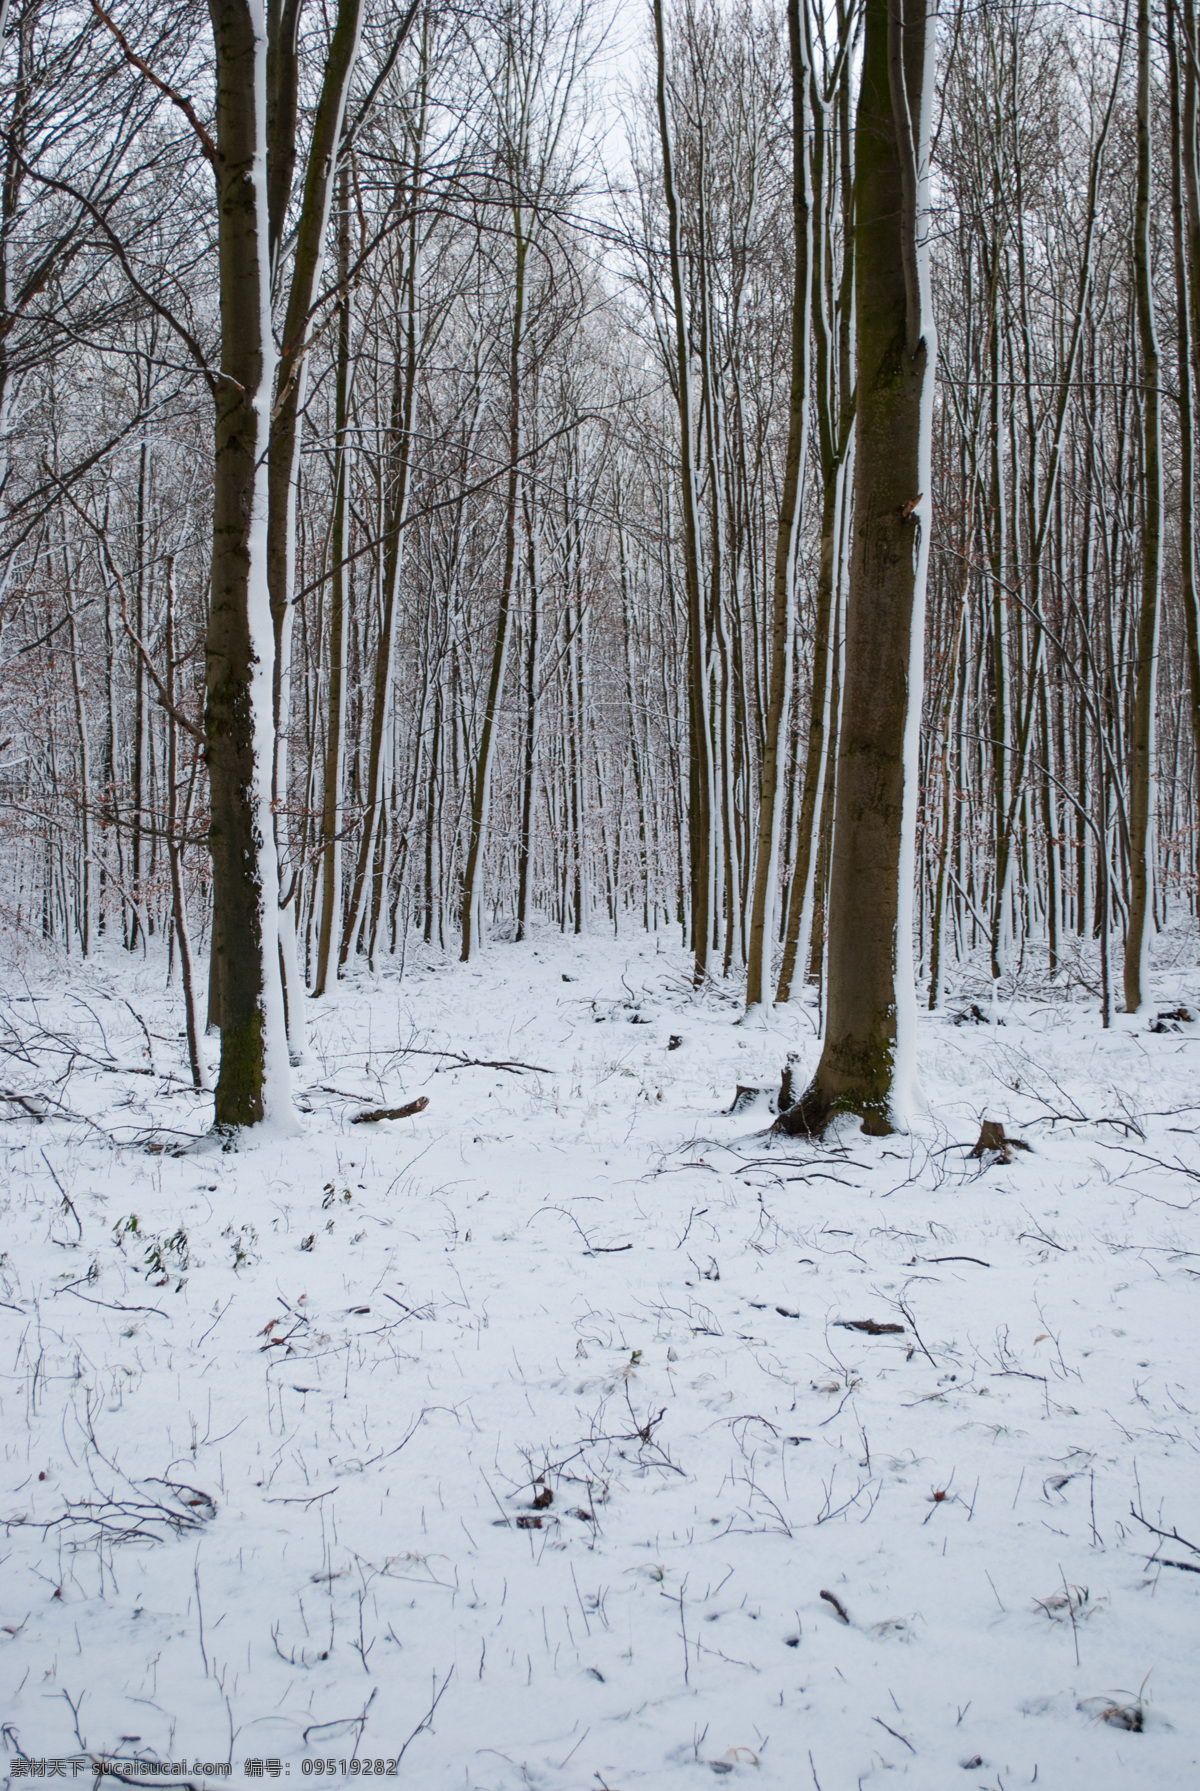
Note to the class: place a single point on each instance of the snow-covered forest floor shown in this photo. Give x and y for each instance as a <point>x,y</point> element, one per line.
<point>528,1442</point>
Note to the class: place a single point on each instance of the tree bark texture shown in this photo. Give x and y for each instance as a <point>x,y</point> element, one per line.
<point>700,753</point>
<point>239,650</point>
<point>1141,753</point>
<point>865,1065</point>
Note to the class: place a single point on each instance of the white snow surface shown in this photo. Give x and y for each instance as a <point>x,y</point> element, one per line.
<point>275,1499</point>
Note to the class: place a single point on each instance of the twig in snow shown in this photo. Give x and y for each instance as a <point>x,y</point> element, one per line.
<point>1039,1237</point>
<point>576,1748</point>
<point>833,1599</point>
<point>463,1062</point>
<point>68,1203</point>
<point>1171,1535</point>
<point>683,1633</point>
<point>112,1305</point>
<point>697,1212</point>
<point>904,1738</point>
<point>360,1723</point>
<point>1070,1612</point>
<point>200,1612</point>
<point>591,1249</point>
<point>920,1342</point>
<point>316,1498</point>
<point>427,1719</point>
<point>146,1033</point>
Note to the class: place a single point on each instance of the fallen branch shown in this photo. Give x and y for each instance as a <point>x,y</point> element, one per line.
<point>1176,1168</point>
<point>1171,1535</point>
<point>463,1062</point>
<point>112,1305</point>
<point>20,1100</point>
<point>405,1112</point>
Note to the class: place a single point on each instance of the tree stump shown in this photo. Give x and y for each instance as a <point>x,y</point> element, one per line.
<point>789,1093</point>
<point>747,1097</point>
<point>992,1138</point>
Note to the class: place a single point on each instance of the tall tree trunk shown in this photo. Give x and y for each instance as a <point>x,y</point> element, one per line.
<point>529,750</point>
<point>700,755</point>
<point>404,386</point>
<point>1185,218</point>
<point>831,313</point>
<point>254,1080</point>
<point>83,737</point>
<point>779,705</point>
<point>335,708</point>
<point>176,828</point>
<point>291,377</point>
<point>866,1064</point>
<point>481,791</point>
<point>1141,755</point>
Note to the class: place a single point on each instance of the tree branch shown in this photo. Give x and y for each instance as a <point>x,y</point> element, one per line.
<point>179,100</point>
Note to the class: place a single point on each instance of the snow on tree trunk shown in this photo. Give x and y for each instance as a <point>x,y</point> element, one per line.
<point>867,1064</point>
<point>1141,757</point>
<point>254,1083</point>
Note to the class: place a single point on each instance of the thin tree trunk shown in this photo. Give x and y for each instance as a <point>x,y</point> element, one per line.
<point>700,758</point>
<point>779,706</point>
<point>481,794</point>
<point>335,723</point>
<point>400,431</point>
<point>529,760</point>
<point>183,938</point>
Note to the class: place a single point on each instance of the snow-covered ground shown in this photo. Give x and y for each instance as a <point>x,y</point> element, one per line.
<point>524,1441</point>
